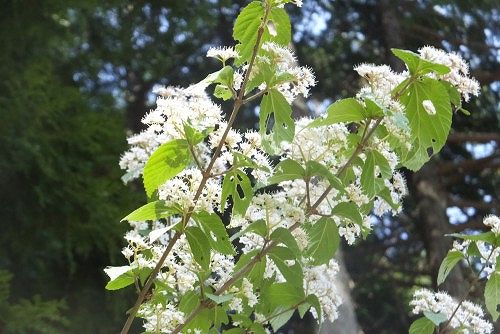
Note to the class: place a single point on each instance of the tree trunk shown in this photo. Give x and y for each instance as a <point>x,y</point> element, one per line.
<point>433,225</point>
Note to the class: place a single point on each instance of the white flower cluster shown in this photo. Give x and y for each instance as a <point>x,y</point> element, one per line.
<point>489,254</point>
<point>319,281</point>
<point>493,222</point>
<point>174,108</point>
<point>302,78</point>
<point>469,317</point>
<point>459,70</point>
<point>222,53</point>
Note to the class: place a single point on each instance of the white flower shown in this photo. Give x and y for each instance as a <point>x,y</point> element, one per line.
<point>222,53</point>
<point>468,316</point>
<point>493,222</point>
<point>429,107</point>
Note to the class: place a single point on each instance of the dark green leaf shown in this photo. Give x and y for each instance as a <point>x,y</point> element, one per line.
<point>287,170</point>
<point>293,273</point>
<point>200,246</point>
<point>237,185</point>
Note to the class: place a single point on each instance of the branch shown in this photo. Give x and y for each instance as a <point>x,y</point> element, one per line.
<point>206,175</point>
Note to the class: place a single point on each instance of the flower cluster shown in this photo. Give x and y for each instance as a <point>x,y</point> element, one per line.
<point>469,317</point>
<point>459,70</point>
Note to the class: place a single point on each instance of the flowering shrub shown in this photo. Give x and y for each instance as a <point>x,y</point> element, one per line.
<point>292,190</point>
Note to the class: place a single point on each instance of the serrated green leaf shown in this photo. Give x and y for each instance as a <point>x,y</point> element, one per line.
<point>194,136</point>
<point>189,301</point>
<point>417,65</point>
<point>278,29</point>
<point>488,237</point>
<point>293,273</point>
<point>345,110</point>
<point>449,262</point>
<point>492,294</point>
<point>166,162</point>
<point>120,277</point>
<point>219,299</point>
<point>246,29</point>
<point>350,211</point>
<point>287,170</point>
<point>373,109</point>
<point>284,236</point>
<point>281,318</point>
<point>429,131</point>
<point>223,92</point>
<point>274,103</point>
<point>213,227</point>
<point>151,211</point>
<point>324,240</point>
<point>422,326</point>
<point>368,175</point>
<point>237,185</point>
<point>284,295</point>
<point>436,318</point>
<point>314,168</point>
<point>200,246</point>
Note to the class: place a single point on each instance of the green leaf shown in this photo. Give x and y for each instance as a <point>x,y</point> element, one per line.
<point>280,318</point>
<point>120,277</point>
<point>314,168</point>
<point>368,175</point>
<point>189,302</point>
<point>166,162</point>
<point>449,262</point>
<point>194,136</point>
<point>237,185</point>
<point>417,65</point>
<point>274,103</point>
<point>293,274</point>
<point>151,211</point>
<point>314,301</point>
<point>200,246</point>
<point>246,29</point>
<point>492,294</point>
<point>223,92</point>
<point>429,131</point>
<point>324,240</point>
<point>350,211</point>
<point>346,110</point>
<point>284,295</point>
<point>278,29</point>
<point>488,237</point>
<point>211,222</point>
<point>436,318</point>
<point>219,299</point>
<point>284,236</point>
<point>373,109</point>
<point>422,326</point>
<point>287,170</point>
